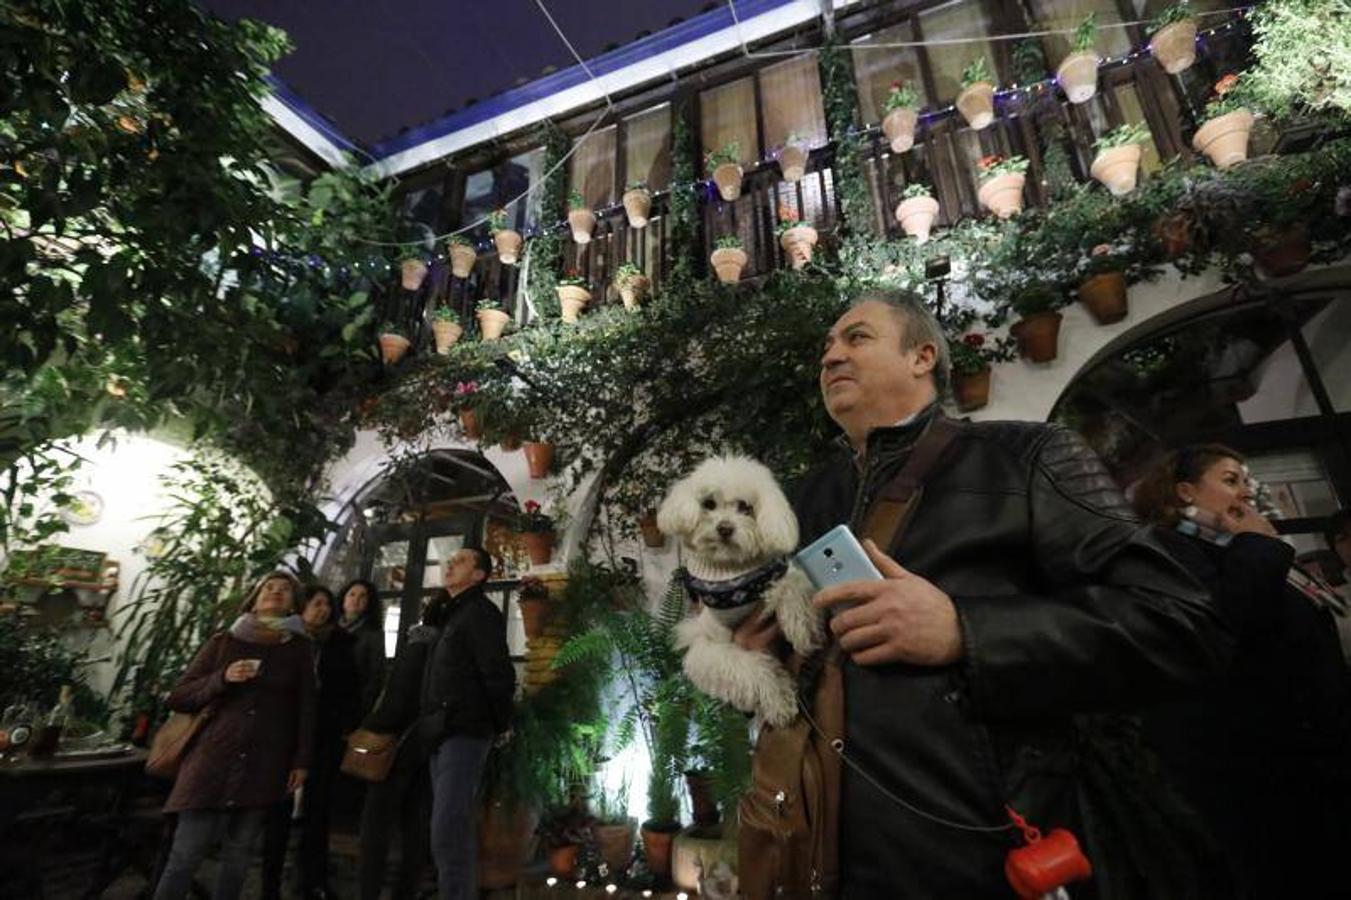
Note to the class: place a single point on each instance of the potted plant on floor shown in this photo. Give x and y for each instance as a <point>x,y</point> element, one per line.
<point>506,240</point>
<point>562,833</point>
<point>1172,38</point>
<point>724,166</point>
<point>614,830</point>
<point>972,356</point>
<point>573,295</point>
<point>537,530</point>
<point>393,345</point>
<point>492,320</point>
<point>976,101</point>
<point>916,211</point>
<point>446,328</point>
<point>1103,288</point>
<point>1223,136</point>
<point>462,255</point>
<point>633,285</point>
<point>728,258</point>
<point>1117,159</point>
<point>1077,73</point>
<point>793,157</point>
<point>796,237</point>
<point>466,400</point>
<point>1038,327</point>
<point>637,203</point>
<point>539,458</point>
<point>1001,184</point>
<point>412,268</point>
<point>900,115</point>
<point>580,218</point>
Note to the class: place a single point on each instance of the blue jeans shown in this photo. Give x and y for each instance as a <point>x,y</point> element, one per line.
<point>457,766</point>
<point>236,829</point>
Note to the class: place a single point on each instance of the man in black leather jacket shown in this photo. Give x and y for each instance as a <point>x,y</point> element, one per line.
<point>1022,593</point>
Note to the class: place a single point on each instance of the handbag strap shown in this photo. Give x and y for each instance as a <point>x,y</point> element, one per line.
<point>890,513</point>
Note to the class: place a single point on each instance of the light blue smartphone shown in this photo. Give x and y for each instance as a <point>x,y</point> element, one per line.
<point>836,557</point>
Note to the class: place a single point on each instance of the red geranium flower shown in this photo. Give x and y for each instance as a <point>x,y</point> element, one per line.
<point>895,85</point>
<point>989,162</point>
<point>1226,84</point>
<point>974,341</point>
<point>531,506</point>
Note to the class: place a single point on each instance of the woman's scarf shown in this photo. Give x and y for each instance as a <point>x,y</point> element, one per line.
<point>255,629</point>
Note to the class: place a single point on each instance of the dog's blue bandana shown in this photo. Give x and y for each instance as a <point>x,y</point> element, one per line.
<point>733,593</point>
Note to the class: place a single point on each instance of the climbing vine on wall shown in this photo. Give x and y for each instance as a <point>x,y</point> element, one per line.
<point>840,97</point>
<point>683,235</point>
<point>546,248</point>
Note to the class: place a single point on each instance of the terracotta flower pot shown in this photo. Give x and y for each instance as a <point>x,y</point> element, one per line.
<point>1174,46</point>
<point>411,273</point>
<point>393,347</point>
<point>1116,167</point>
<point>652,536</point>
<point>616,845</point>
<point>510,444</point>
<point>1283,253</point>
<point>1003,194</point>
<point>469,424</point>
<point>916,216</point>
<point>491,323</point>
<point>976,104</point>
<point>703,805</point>
<point>1078,76</point>
<point>971,391</point>
<point>504,844</point>
<point>637,206</point>
<point>1174,233</point>
<point>797,243</point>
<point>573,298</point>
<point>899,127</point>
<point>539,456</point>
<point>657,850</point>
<point>1104,296</point>
<point>1038,336</point>
<point>1224,139</point>
<point>728,263</point>
<point>535,613</point>
<point>540,546</point>
<point>563,860</point>
<point>728,179</point>
<point>508,244</point>
<point>582,222</point>
<point>634,290</point>
<point>446,334</point>
<point>793,162</point>
<point>462,257</point>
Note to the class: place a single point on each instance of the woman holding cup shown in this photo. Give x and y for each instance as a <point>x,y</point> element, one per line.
<point>258,678</point>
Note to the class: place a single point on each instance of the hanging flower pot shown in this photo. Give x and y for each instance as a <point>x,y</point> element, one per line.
<point>1174,46</point>
<point>729,259</point>
<point>917,212</point>
<point>411,273</point>
<point>1001,185</point>
<point>657,838</point>
<point>971,390</point>
<point>1077,75</point>
<point>1116,168</point>
<point>539,457</point>
<point>797,243</point>
<point>445,331</point>
<point>899,127</point>
<point>573,297</point>
<point>652,536</point>
<point>393,346</point>
<point>1104,296</point>
<point>1038,336</point>
<point>637,204</point>
<point>469,424</point>
<point>1283,253</point>
<point>535,613</point>
<point>633,286</point>
<point>580,219</point>
<point>728,179</point>
<point>462,257</point>
<point>492,321</point>
<point>1224,139</point>
<point>793,159</point>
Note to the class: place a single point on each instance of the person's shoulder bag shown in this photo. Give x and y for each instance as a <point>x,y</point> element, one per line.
<point>174,739</point>
<point>370,754</point>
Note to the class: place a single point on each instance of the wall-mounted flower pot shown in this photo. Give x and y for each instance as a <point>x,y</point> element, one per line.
<point>539,457</point>
<point>916,216</point>
<point>573,298</point>
<point>1174,234</point>
<point>652,536</point>
<point>411,273</point>
<point>582,222</point>
<point>469,424</point>
<point>637,207</point>
<point>1038,336</point>
<point>445,334</point>
<point>491,323</point>
<point>797,243</point>
<point>1224,139</point>
<point>1003,194</point>
<point>793,162</point>
<point>1174,46</point>
<point>728,179</point>
<point>971,391</point>
<point>535,613</point>
<point>657,848</point>
<point>462,258</point>
<point>899,127</point>
<point>1116,168</point>
<point>728,263</point>
<point>563,860</point>
<point>1283,253</point>
<point>393,347</point>
<point>1104,296</point>
<point>1078,76</point>
<point>508,244</point>
<point>540,546</point>
<point>976,104</point>
<point>634,290</point>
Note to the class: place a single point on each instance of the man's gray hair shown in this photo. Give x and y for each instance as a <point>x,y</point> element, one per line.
<point>918,326</point>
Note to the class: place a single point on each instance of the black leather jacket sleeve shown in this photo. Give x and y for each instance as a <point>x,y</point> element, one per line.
<point>1114,621</point>
<point>488,644</point>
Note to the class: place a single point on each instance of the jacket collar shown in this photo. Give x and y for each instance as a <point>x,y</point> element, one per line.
<point>888,440</point>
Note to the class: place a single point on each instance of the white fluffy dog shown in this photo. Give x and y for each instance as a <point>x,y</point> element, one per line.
<point>737,530</point>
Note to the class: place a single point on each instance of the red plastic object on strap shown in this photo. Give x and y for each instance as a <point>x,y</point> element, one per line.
<point>1045,863</point>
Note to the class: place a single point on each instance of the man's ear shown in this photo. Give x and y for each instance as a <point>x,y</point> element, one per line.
<point>926,357</point>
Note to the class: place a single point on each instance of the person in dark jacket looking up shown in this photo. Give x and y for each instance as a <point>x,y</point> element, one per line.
<point>1023,592</point>
<point>466,704</point>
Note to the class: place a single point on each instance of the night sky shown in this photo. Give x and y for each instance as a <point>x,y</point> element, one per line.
<point>377,67</point>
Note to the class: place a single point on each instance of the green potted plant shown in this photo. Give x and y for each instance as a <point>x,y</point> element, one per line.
<point>462,255</point>
<point>466,399</point>
<point>412,268</point>
<point>537,530</point>
<point>724,166</point>
<point>573,295</point>
<point>793,157</point>
<point>562,832</point>
<point>1172,38</point>
<point>900,113</point>
<point>1223,136</point>
<point>916,211</point>
<point>393,344</point>
<point>728,258</point>
<point>580,218</point>
<point>492,320</point>
<point>1117,158</point>
<point>1038,327</point>
<point>1103,288</point>
<point>637,203</point>
<point>1001,184</point>
<point>1078,72</point>
<point>539,458</point>
<point>972,356</point>
<point>633,285</point>
<point>446,328</point>
<point>796,237</point>
<point>506,240</point>
<point>614,830</point>
<point>976,100</point>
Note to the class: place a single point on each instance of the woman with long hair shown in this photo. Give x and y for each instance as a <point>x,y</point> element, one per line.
<point>1262,755</point>
<point>257,677</point>
<point>362,615</point>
